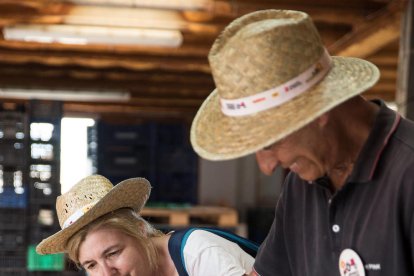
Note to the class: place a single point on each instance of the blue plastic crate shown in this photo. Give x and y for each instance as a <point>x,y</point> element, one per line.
<point>9,198</point>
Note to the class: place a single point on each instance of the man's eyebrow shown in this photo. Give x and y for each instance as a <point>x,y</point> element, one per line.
<point>102,254</point>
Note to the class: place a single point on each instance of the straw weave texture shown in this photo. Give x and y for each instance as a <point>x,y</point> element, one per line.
<point>131,193</point>
<point>261,51</point>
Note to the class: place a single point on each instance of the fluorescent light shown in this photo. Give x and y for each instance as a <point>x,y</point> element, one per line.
<point>163,4</point>
<point>64,95</point>
<point>69,34</point>
<point>124,17</point>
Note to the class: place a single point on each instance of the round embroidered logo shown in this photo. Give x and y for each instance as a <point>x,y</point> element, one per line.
<point>350,264</point>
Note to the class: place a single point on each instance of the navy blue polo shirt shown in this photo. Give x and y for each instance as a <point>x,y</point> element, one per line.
<point>372,214</point>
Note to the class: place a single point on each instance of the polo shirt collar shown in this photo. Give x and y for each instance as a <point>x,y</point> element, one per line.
<point>384,126</point>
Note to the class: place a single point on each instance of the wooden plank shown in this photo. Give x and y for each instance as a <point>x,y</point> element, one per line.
<point>209,215</point>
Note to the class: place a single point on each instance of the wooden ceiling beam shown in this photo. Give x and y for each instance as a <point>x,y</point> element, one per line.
<point>137,64</point>
<point>331,15</point>
<point>390,61</point>
<point>158,77</point>
<point>373,34</point>
<point>165,102</point>
<point>185,51</point>
<point>144,92</point>
<point>129,110</point>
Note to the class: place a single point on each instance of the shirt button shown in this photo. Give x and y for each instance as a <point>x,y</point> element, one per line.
<point>336,228</point>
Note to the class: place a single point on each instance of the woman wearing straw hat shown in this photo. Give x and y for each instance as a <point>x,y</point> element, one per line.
<point>103,233</point>
<point>347,204</point>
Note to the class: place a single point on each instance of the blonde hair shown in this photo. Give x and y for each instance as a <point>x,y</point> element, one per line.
<point>129,223</point>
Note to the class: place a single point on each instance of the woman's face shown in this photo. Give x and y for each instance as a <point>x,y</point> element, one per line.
<point>111,252</point>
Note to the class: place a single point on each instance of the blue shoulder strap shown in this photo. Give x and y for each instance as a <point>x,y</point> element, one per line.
<point>179,238</point>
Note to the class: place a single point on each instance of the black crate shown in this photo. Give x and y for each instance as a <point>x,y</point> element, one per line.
<point>124,159</point>
<point>39,233</point>
<point>12,127</point>
<point>123,134</point>
<point>12,219</point>
<point>12,259</point>
<point>176,187</point>
<point>43,191</point>
<point>44,172</point>
<point>13,154</point>
<point>44,132</point>
<point>12,239</point>
<point>43,216</point>
<point>172,135</point>
<point>43,152</point>
<point>180,160</point>
<point>46,111</point>
<point>13,271</point>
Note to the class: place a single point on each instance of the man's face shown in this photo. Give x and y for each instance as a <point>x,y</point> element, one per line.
<point>303,152</point>
<point>111,252</point>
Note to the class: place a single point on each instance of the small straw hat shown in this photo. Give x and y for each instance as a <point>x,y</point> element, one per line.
<point>92,197</point>
<point>268,51</point>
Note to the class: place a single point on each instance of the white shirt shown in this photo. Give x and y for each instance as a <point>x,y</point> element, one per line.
<point>206,254</point>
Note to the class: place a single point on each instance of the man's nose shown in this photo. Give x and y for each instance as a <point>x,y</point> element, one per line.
<point>267,161</point>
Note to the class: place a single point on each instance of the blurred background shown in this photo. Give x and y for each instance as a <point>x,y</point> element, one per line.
<point>111,87</point>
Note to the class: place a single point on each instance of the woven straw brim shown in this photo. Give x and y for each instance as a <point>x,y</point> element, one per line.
<point>215,136</point>
<point>131,193</point>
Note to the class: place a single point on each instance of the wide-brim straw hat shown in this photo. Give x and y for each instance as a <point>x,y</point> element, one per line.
<point>91,198</point>
<point>256,53</point>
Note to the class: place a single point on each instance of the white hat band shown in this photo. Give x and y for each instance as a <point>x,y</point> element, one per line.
<point>78,214</point>
<point>280,94</point>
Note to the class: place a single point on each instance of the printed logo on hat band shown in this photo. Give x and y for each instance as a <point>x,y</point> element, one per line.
<point>78,214</point>
<point>280,94</point>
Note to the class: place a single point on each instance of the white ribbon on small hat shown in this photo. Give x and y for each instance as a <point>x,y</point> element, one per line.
<point>280,94</point>
<point>78,214</point>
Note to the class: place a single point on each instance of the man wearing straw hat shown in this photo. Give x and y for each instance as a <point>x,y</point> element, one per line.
<point>347,204</point>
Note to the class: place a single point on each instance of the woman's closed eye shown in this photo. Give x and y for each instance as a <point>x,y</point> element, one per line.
<point>90,266</point>
<point>113,253</point>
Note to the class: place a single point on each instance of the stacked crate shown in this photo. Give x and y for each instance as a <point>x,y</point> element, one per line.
<point>124,151</point>
<point>44,181</point>
<point>13,189</point>
<point>92,147</point>
<point>157,151</point>
<point>176,164</point>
